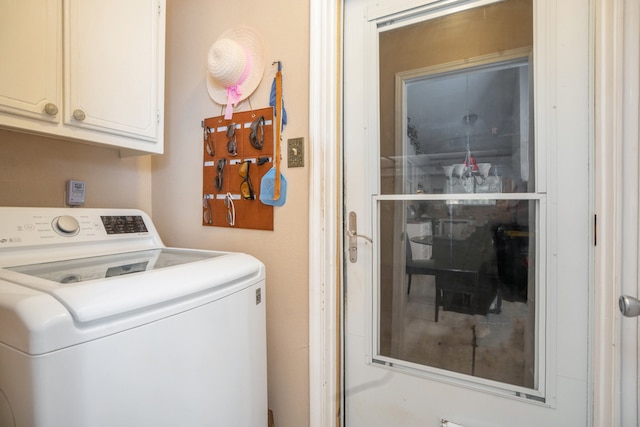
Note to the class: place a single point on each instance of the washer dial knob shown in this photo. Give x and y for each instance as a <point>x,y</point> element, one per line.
<point>66,225</point>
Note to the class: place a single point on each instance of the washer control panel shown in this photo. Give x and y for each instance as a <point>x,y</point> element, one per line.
<point>21,227</point>
<point>124,224</point>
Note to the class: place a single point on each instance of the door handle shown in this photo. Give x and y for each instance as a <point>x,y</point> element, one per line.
<point>629,306</point>
<point>352,232</point>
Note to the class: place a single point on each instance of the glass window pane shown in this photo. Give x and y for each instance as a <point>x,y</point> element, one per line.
<point>457,286</point>
<point>457,278</point>
<point>455,103</point>
<point>475,136</point>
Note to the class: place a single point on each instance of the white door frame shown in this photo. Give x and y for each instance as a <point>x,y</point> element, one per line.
<point>617,30</point>
<point>325,213</point>
<point>325,222</point>
<point>616,141</point>
<point>606,207</point>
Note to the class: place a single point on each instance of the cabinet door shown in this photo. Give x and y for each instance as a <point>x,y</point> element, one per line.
<point>114,67</point>
<point>30,48</point>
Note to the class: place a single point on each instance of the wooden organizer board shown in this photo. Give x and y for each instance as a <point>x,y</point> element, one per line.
<point>252,214</point>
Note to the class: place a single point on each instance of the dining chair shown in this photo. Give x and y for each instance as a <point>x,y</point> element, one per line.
<point>417,266</point>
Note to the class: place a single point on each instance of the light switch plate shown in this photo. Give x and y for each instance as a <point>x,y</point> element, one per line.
<point>295,152</point>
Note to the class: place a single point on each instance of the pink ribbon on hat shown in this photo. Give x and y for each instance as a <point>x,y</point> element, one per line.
<point>234,92</point>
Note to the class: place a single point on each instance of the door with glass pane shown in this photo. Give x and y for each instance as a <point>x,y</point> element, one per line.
<point>470,302</point>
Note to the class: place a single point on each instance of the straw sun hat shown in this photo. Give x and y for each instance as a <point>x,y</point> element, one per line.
<point>235,66</point>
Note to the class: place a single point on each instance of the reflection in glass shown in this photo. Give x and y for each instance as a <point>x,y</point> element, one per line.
<point>468,128</point>
<point>456,102</point>
<point>456,274</point>
<point>460,294</point>
<point>101,266</point>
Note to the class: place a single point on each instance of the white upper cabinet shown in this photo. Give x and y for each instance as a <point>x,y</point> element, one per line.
<point>111,91</point>
<point>30,54</point>
<point>111,67</point>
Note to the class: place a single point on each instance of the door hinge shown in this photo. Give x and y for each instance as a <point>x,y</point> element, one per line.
<point>595,230</point>
<point>159,9</point>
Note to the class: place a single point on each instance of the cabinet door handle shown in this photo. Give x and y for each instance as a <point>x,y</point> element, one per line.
<point>51,109</point>
<point>79,115</point>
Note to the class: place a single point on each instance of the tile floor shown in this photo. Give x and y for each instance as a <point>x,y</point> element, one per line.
<point>492,347</point>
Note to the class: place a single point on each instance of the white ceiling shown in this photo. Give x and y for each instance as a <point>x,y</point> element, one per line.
<point>438,107</point>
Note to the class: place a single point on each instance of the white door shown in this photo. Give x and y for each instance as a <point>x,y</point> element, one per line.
<point>467,171</point>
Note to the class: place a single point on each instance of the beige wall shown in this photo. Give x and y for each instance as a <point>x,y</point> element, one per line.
<point>34,169</point>
<point>192,26</point>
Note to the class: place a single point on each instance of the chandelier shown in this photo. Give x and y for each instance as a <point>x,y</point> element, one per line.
<point>469,173</point>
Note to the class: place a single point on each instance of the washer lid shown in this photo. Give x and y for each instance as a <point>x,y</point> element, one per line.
<point>98,287</point>
<point>112,265</point>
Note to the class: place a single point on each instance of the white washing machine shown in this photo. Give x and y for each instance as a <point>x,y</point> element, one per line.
<point>102,325</point>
